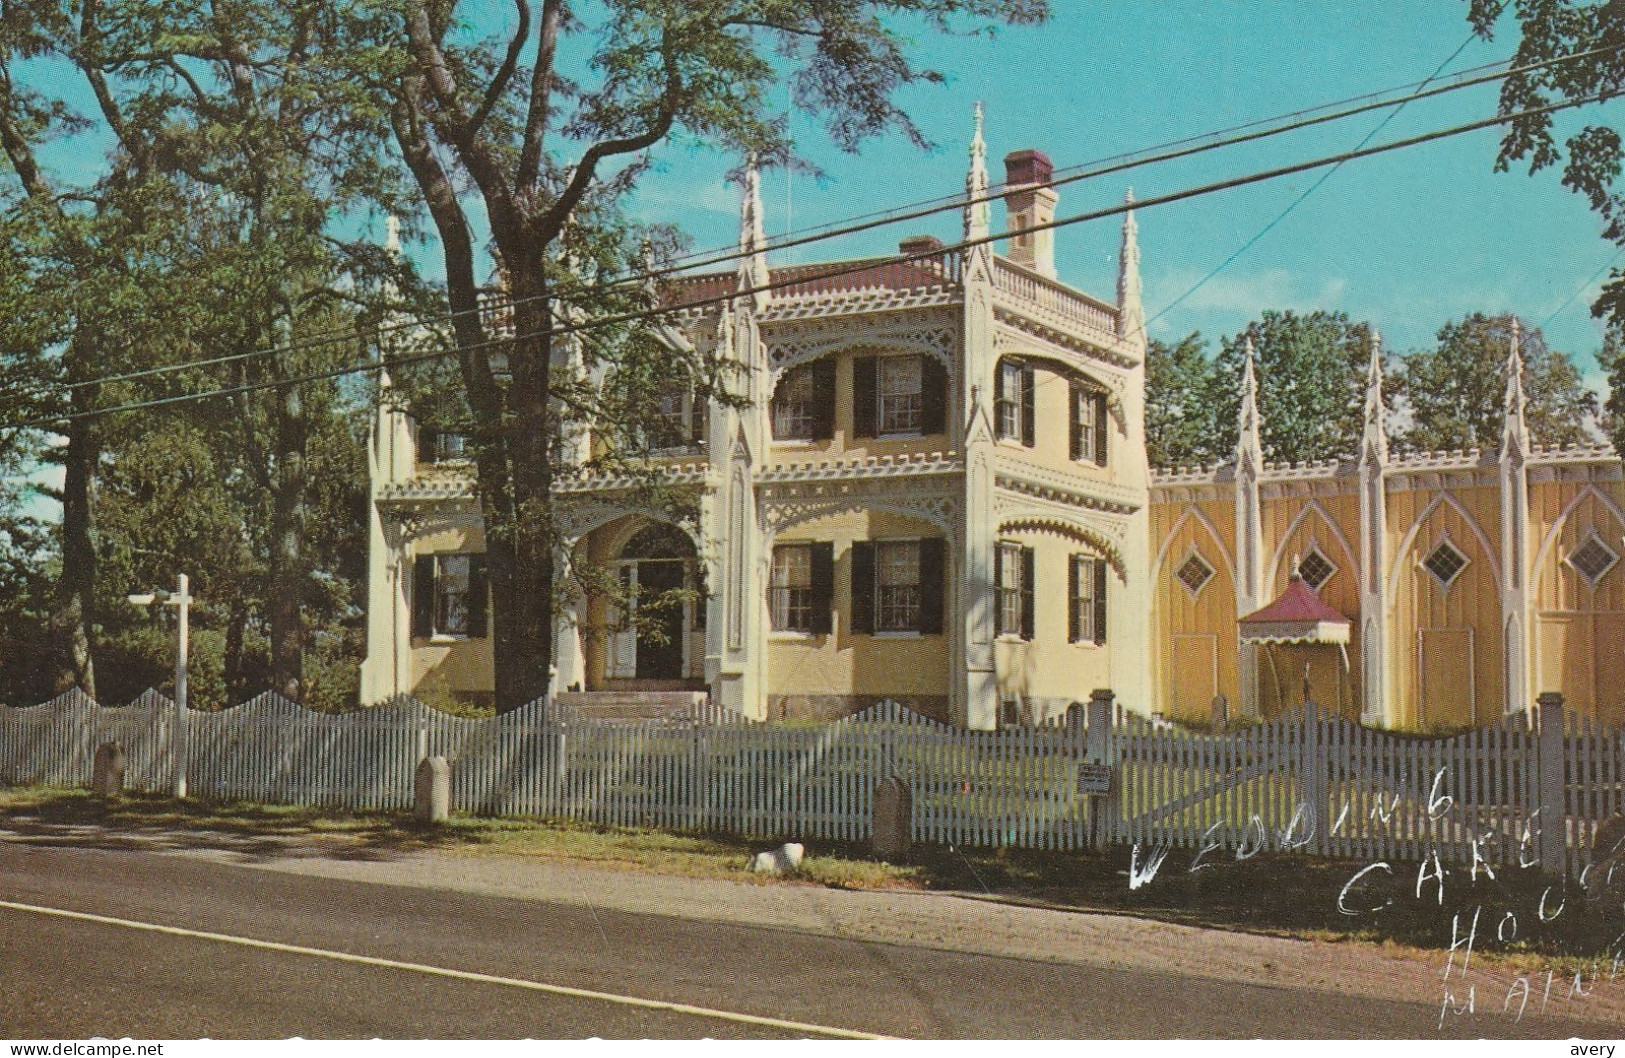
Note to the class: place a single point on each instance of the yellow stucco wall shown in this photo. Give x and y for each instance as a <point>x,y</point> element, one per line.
<point>1049,666</point>
<point>842,663</point>
<point>459,667</point>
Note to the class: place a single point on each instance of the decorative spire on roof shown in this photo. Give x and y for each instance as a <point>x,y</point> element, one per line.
<point>752,234</point>
<point>392,235</point>
<point>1131,309</point>
<point>1249,444</point>
<point>1375,442</point>
<point>977,213</point>
<point>1515,436</point>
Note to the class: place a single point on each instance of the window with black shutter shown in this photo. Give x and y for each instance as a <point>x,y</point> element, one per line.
<point>864,403</point>
<point>863,587</point>
<point>1007,402</point>
<point>823,588</point>
<point>1013,576</point>
<point>1087,600</point>
<point>450,596</point>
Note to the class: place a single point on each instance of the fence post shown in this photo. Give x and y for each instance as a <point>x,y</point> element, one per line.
<point>1312,771</point>
<point>1551,791</point>
<point>1100,749</point>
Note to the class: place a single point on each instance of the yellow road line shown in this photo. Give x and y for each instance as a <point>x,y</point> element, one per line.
<point>461,975</point>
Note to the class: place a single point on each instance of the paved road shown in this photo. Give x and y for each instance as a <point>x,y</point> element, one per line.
<point>73,978</point>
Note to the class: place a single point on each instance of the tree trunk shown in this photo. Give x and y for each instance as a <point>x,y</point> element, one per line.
<point>521,545</point>
<point>77,587</point>
<point>236,680</point>
<point>284,604</point>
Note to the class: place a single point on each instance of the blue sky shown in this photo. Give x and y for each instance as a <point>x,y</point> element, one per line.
<point>1407,240</point>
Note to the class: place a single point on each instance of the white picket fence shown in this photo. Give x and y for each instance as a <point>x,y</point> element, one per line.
<point>1304,781</point>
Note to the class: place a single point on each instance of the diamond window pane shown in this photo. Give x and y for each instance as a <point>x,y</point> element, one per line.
<point>1445,562</point>
<point>1593,559</point>
<point>1194,573</point>
<point>1316,569</point>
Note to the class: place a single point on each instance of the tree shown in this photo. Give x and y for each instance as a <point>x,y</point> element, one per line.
<point>1593,156</point>
<point>1455,394</point>
<point>1311,374</point>
<point>1183,391</point>
<point>1611,358</point>
<point>550,151</point>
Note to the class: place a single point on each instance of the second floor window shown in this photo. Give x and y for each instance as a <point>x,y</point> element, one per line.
<point>900,395</point>
<point>1089,425</point>
<point>795,406</point>
<point>441,446</point>
<point>1013,402</point>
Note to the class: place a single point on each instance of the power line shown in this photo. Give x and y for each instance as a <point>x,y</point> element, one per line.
<point>1119,163</point>
<point>1581,289</point>
<point>1310,190</point>
<point>837,271</point>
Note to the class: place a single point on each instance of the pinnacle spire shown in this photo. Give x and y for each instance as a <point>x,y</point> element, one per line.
<point>1517,429</point>
<point>1376,432</point>
<point>392,235</point>
<point>1249,444</point>
<point>1131,307</point>
<point>752,233</point>
<point>977,214</point>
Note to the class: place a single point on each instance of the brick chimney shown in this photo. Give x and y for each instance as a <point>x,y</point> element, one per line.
<point>1028,201</point>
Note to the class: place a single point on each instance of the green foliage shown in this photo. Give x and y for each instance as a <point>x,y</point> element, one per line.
<point>1455,394</point>
<point>1311,373</point>
<point>1611,358</point>
<point>1184,391</point>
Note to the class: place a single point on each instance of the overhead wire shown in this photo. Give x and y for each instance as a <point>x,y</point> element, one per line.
<point>1119,163</point>
<point>838,270</point>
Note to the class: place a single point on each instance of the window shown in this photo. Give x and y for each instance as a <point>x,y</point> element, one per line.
<point>1445,562</point>
<point>900,395</point>
<point>441,446</point>
<point>897,585</point>
<point>791,601</point>
<point>1090,425</point>
<point>1087,597</point>
<point>795,406</point>
<point>1592,560</point>
<point>671,431</point>
<point>1194,573</point>
<point>448,596</point>
<point>897,594</point>
<point>1007,405</point>
<point>1013,577</point>
<point>1315,568</point>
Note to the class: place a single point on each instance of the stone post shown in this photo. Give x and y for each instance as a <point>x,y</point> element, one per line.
<point>893,816</point>
<point>1221,712</point>
<point>107,777</point>
<point>431,792</point>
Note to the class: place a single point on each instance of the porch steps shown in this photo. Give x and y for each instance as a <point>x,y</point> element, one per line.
<point>637,705</point>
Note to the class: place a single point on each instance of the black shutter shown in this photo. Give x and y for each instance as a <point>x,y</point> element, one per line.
<point>478,592</point>
<point>1079,441</point>
<point>1102,429</point>
<point>998,590</point>
<point>1100,600</point>
<point>1028,424</point>
<point>1027,615</point>
<point>697,414</point>
<point>823,587</point>
<point>864,403</point>
<point>932,579</point>
<point>427,436</point>
<point>933,396</point>
<point>863,587</point>
<point>1074,612</point>
<point>823,383</point>
<point>423,597</point>
<point>998,399</point>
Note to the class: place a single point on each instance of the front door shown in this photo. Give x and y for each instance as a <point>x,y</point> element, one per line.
<point>660,631</point>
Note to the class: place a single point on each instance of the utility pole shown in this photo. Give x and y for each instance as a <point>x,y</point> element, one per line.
<point>181,599</point>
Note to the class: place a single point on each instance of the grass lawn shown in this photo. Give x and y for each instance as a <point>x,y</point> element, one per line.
<point>1275,894</point>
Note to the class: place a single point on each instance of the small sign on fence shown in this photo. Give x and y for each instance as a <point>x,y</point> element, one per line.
<point>1094,780</point>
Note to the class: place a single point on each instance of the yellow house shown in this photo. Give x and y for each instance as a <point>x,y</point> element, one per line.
<point>933,488</point>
